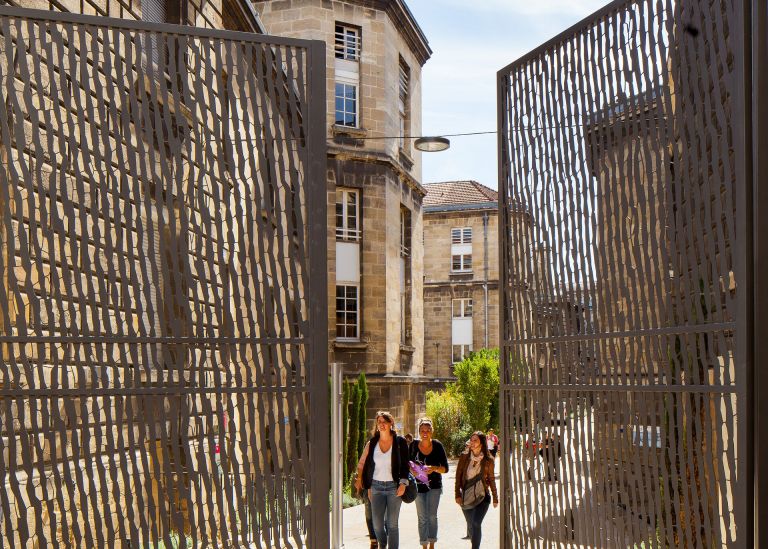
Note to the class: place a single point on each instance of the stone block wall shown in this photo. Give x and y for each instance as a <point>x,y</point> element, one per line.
<point>441,287</point>
<point>383,45</point>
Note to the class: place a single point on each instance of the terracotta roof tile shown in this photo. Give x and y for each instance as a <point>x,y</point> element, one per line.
<point>458,192</point>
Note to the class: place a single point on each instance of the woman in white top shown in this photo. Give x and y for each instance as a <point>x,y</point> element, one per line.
<point>385,474</point>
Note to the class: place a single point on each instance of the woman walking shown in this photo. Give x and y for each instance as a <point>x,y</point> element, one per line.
<point>385,475</point>
<point>430,453</point>
<point>474,478</point>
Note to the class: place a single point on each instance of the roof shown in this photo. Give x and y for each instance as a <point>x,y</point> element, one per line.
<point>459,195</point>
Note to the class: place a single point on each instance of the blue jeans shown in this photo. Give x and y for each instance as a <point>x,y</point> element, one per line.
<point>426,508</point>
<point>385,508</point>
<point>475,518</point>
<point>368,516</point>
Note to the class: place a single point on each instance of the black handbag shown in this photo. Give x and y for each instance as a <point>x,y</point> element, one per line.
<point>411,490</point>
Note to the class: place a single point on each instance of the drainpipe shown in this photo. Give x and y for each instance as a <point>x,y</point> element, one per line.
<point>485,276</point>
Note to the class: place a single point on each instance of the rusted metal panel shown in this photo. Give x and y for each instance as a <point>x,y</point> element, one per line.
<point>162,336</point>
<point>625,328</point>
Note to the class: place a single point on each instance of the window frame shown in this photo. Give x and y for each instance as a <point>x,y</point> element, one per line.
<point>464,233</point>
<point>345,232</point>
<point>464,351</point>
<point>346,311</point>
<point>356,87</point>
<point>341,42</point>
<point>464,263</point>
<point>464,304</point>
<point>403,102</point>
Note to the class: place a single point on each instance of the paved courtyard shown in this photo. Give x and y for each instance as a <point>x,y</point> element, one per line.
<point>451,524</point>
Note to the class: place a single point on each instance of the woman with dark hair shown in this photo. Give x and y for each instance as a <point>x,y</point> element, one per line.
<point>474,478</point>
<point>430,454</point>
<point>385,475</point>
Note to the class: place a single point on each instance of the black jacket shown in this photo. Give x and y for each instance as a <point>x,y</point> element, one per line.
<point>400,468</point>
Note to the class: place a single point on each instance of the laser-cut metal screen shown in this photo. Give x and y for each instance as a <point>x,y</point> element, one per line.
<point>625,281</point>
<point>162,309</point>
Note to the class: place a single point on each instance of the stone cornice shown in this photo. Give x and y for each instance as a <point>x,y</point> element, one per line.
<point>404,22</point>
<point>343,154</point>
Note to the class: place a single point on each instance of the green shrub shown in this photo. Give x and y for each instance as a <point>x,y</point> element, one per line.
<point>447,412</point>
<point>477,384</point>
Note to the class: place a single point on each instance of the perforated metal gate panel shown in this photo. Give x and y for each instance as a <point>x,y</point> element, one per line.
<point>162,318</point>
<point>623,210</point>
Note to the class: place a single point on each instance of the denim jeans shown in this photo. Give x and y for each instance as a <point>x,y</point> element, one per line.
<point>426,508</point>
<point>368,514</point>
<point>475,517</point>
<point>385,508</point>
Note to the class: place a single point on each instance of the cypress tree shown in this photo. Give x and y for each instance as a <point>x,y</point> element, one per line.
<point>362,419</point>
<point>345,425</point>
<point>354,433</point>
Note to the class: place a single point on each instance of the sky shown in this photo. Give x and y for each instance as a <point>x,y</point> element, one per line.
<point>471,40</point>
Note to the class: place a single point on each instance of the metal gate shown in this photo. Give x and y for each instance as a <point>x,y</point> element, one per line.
<point>626,291</point>
<point>162,307</point>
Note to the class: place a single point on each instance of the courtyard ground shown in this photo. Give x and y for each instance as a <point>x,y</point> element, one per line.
<point>451,524</point>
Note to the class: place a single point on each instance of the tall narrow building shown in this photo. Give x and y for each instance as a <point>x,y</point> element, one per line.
<point>375,263</point>
<point>461,274</point>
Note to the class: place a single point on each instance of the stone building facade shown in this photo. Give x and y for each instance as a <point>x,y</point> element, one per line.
<point>375,51</point>
<point>461,274</point>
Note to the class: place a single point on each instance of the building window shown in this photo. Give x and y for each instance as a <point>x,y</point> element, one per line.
<point>461,235</point>
<point>348,43</point>
<point>346,104</point>
<point>462,308</point>
<point>347,312</point>
<point>347,214</point>
<point>461,250</point>
<point>461,263</point>
<point>403,103</point>
<point>460,352</point>
<point>405,275</point>
<point>405,232</point>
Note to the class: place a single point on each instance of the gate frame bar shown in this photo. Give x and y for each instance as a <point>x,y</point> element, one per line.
<point>318,529</point>
<point>759,121</point>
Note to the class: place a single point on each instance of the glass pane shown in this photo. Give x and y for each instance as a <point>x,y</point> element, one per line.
<point>455,236</point>
<point>467,236</point>
<point>349,119</point>
<point>351,293</point>
<point>350,92</point>
<point>456,263</point>
<point>467,261</point>
<point>468,307</point>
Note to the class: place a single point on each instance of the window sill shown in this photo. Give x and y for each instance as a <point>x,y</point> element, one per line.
<point>408,349</point>
<point>348,131</point>
<point>350,345</point>
<point>461,273</point>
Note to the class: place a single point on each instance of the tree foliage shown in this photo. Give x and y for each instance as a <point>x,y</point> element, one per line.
<point>477,384</point>
<point>448,416</point>
<point>363,436</point>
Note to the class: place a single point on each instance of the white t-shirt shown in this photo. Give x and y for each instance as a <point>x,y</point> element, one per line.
<point>490,443</point>
<point>382,462</point>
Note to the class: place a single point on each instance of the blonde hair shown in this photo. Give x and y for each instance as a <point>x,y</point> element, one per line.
<point>386,415</point>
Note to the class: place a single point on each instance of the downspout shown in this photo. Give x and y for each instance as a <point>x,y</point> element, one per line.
<point>485,274</point>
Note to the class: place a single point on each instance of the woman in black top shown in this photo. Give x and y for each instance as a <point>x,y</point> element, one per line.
<point>430,452</point>
<point>384,474</point>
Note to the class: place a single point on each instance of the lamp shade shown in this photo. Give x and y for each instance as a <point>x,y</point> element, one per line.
<point>432,144</point>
